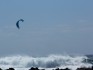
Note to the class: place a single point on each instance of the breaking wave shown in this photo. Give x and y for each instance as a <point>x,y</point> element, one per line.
<point>50,61</point>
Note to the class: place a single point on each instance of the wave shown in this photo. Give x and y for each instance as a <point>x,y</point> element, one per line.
<point>50,61</point>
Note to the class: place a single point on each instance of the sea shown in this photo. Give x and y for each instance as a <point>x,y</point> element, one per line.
<point>24,62</point>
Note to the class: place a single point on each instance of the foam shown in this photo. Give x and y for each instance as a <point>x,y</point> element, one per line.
<point>51,61</point>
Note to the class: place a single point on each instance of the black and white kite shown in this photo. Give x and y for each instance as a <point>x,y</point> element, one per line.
<point>17,23</point>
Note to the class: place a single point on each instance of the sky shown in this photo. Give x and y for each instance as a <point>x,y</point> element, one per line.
<point>49,27</point>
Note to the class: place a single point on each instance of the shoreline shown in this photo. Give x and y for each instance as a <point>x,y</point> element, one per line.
<point>36,68</point>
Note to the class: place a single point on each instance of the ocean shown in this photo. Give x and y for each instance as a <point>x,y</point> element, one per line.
<point>50,62</point>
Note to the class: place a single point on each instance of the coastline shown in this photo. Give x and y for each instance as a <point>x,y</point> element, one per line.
<point>36,68</point>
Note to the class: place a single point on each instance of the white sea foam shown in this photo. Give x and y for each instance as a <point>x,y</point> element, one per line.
<point>52,61</point>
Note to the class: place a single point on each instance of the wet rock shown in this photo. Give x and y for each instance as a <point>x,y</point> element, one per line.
<point>84,68</point>
<point>32,68</point>
<point>62,69</point>
<point>10,69</point>
<point>0,69</point>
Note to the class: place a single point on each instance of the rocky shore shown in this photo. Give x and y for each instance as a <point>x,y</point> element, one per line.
<point>36,68</point>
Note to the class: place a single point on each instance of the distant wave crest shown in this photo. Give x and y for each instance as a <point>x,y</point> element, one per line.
<point>50,61</point>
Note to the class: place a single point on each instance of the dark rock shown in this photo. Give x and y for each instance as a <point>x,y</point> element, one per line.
<point>62,69</point>
<point>65,69</point>
<point>57,69</point>
<point>36,68</point>
<point>84,68</point>
<point>0,69</point>
<point>42,69</point>
<point>32,68</point>
<point>10,69</point>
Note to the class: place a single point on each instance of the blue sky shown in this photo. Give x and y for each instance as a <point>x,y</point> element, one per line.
<point>49,27</point>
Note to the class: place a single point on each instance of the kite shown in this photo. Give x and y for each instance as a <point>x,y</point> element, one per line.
<point>17,23</point>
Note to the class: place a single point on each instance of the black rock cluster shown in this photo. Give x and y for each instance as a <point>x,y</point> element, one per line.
<point>62,69</point>
<point>84,68</point>
<point>8,69</point>
<point>36,68</point>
